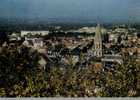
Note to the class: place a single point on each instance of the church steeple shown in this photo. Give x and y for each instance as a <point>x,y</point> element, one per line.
<point>98,42</point>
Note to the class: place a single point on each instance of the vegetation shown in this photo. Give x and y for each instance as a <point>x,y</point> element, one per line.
<point>22,76</point>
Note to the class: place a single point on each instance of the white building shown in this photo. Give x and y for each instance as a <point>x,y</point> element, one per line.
<point>88,30</point>
<point>121,30</point>
<point>41,33</point>
<point>36,43</point>
<point>113,38</point>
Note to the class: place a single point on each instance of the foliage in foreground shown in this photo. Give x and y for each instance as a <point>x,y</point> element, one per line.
<point>22,76</point>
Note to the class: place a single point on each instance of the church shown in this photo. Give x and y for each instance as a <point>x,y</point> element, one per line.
<point>98,42</point>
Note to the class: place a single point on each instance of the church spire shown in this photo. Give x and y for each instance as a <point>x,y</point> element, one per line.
<point>98,42</point>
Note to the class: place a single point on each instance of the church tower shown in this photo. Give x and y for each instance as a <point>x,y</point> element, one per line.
<point>98,42</point>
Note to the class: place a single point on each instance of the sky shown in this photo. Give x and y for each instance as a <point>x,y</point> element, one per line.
<point>90,10</point>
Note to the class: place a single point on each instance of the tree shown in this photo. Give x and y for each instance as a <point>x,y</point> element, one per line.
<point>123,80</point>
<point>16,64</point>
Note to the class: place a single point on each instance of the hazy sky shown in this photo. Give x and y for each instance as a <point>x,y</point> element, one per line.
<point>106,10</point>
